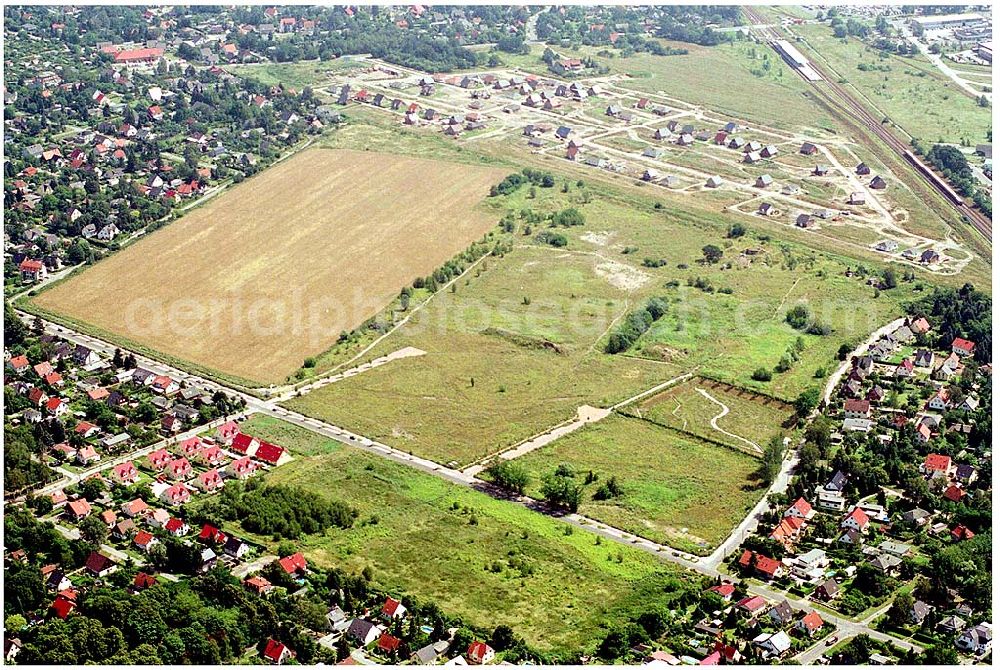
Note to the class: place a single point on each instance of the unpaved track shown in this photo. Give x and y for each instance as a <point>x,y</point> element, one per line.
<point>715,422</point>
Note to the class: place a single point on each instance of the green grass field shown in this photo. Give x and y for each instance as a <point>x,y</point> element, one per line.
<point>677,490</point>
<point>498,370</point>
<point>293,75</point>
<point>754,418</point>
<point>488,561</point>
<point>913,92</point>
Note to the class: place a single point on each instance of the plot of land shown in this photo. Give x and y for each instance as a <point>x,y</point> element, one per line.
<point>275,269</point>
<point>499,371</point>
<point>488,561</point>
<point>677,490</point>
<point>750,418</point>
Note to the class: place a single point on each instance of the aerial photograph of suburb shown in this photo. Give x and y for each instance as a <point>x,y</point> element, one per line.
<point>497,334</point>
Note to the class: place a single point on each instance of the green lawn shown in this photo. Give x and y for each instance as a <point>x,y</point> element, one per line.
<point>912,92</point>
<point>488,561</point>
<point>677,490</point>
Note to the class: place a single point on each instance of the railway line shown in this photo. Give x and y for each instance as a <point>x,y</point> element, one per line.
<point>841,100</point>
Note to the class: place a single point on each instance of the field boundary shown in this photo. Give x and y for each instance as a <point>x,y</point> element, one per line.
<point>687,433</point>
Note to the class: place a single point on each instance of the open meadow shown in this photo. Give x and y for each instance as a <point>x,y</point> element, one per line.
<point>691,406</point>
<point>676,489</point>
<point>520,344</point>
<point>486,560</point>
<point>910,90</point>
<point>273,270</point>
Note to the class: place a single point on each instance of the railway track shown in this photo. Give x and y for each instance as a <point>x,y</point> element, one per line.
<point>841,100</point>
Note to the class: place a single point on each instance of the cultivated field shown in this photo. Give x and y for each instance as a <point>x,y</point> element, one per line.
<point>272,271</point>
<point>485,560</point>
<point>677,490</point>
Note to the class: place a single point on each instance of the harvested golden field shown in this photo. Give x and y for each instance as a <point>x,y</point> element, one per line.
<point>272,271</point>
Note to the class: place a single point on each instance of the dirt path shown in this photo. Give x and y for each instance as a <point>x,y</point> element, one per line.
<point>715,422</point>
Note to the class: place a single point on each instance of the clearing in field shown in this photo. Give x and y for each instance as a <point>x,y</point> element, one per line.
<point>677,489</point>
<point>272,271</point>
<point>488,561</point>
<point>718,412</point>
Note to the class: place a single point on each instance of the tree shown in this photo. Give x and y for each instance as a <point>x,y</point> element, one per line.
<point>798,317</point>
<point>560,490</point>
<point>806,402</point>
<point>509,476</point>
<point>93,530</point>
<point>712,253</point>
<point>899,612</point>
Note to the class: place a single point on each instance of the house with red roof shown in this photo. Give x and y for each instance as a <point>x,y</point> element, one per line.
<point>19,363</point>
<point>725,590</point>
<point>43,368</point>
<point>388,643</point>
<point>178,494</point>
<point>209,481</point>
<point>940,401</point>
<point>86,455</point>
<point>37,396</point>
<point>764,566</point>
<point>963,347</point>
<point>801,509</point>
<point>810,623</point>
<point>143,581</point>
<point>32,270</point>
<point>125,474</point>
<point>137,507</point>
<point>56,406</point>
<point>78,509</point>
<point>241,468</point>
<point>270,453</point>
<point>179,469</point>
<point>752,605</point>
<point>109,517</point>
<point>275,652</point>
<point>961,533</point>
<point>138,57</point>
<point>155,113</point>
<point>393,609</point>
<point>100,565</point>
<point>245,444</point>
<point>189,447</point>
<point>210,455</point>
<point>788,531</point>
<point>938,465</point>
<point>258,585</point>
<point>954,493</point>
<point>480,653</point>
<point>62,606</point>
<point>294,564</point>
<point>857,521</point>
<point>211,535</point>
<point>226,432</point>
<point>158,459</point>
<point>54,379</point>
<point>176,527</point>
<point>86,429</point>
<point>164,385</point>
<point>923,433</point>
<point>144,540</point>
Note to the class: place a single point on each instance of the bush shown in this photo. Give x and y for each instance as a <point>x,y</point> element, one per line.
<point>798,317</point>
<point>761,375</point>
